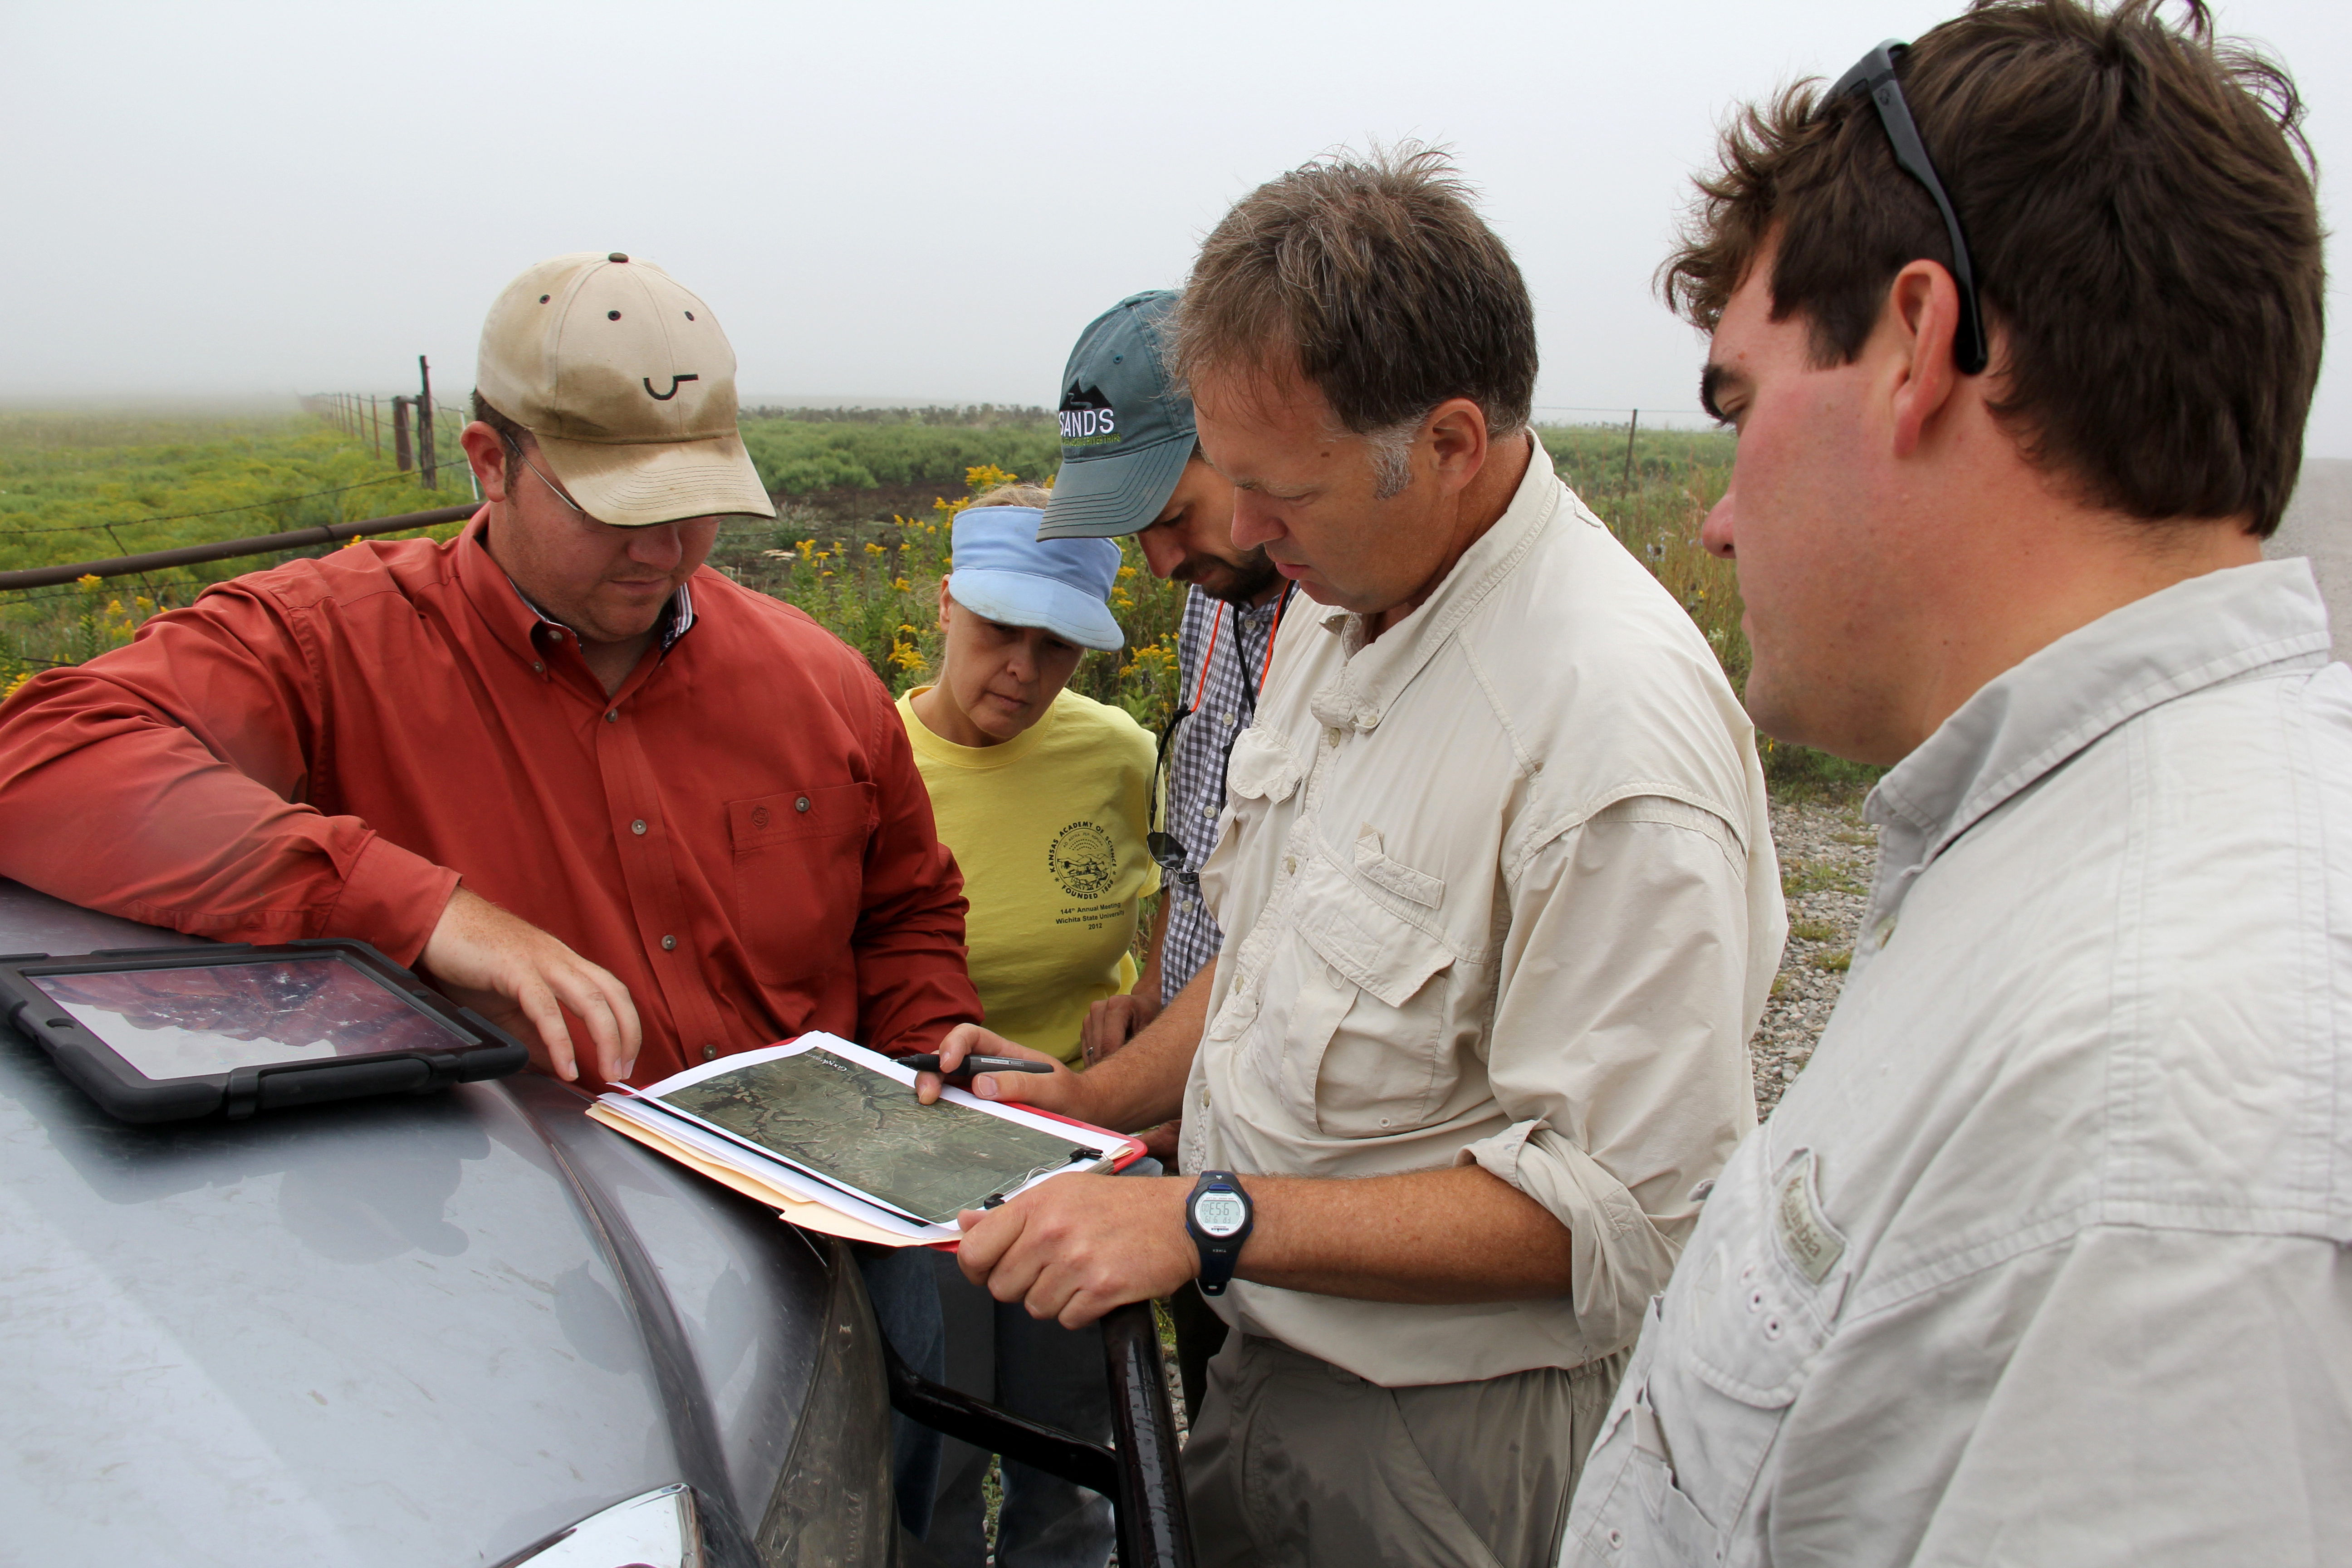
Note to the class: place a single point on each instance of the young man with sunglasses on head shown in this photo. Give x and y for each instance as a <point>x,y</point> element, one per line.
<point>2045,1258</point>
<point>1131,466</point>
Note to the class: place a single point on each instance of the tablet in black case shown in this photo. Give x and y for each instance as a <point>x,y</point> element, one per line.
<point>168,1033</point>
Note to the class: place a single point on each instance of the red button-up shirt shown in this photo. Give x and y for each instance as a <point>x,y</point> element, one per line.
<point>738,833</point>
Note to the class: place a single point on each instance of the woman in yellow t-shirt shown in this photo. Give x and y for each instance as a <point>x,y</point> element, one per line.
<point>1044,795</point>
<point>1044,798</point>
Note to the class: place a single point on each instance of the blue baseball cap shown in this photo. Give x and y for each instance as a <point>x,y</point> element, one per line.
<point>1127,434</point>
<point>1005,573</point>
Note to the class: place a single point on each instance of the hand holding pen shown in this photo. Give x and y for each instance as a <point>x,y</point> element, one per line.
<point>928,1062</point>
<point>971,1053</point>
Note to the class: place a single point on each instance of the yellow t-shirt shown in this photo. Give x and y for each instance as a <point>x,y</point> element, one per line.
<point>1049,829</point>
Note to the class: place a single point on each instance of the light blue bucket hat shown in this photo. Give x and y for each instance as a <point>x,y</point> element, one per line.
<point>1005,573</point>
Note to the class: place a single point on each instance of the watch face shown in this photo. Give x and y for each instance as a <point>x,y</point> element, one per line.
<point>1219,1214</point>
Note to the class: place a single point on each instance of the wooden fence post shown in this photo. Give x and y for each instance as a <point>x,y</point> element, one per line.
<point>427,459</point>
<point>1627,483</point>
<point>400,434</point>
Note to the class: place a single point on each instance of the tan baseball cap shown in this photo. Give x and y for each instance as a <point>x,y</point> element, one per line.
<point>628,384</point>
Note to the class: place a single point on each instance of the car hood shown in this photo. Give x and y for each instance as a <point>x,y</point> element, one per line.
<point>420,1330</point>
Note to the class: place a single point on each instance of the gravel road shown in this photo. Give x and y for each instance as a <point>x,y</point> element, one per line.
<point>1828,855</point>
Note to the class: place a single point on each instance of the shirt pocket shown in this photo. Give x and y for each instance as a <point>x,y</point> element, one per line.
<point>800,877</point>
<point>1742,1327</point>
<point>1261,773</point>
<point>1368,1036</point>
<point>1628,1511</point>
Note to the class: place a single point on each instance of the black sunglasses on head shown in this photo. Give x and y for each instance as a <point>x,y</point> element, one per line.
<point>1873,78</point>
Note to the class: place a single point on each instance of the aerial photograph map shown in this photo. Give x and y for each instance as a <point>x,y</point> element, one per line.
<point>864,1130</point>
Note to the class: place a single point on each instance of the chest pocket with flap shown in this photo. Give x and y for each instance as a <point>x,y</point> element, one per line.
<point>1751,1304</point>
<point>1368,1047</point>
<point>800,877</point>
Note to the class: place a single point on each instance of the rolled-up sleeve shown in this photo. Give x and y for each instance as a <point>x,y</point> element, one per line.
<point>1619,1045</point>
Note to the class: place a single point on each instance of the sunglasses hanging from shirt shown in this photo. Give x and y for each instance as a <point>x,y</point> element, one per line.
<point>1166,850</point>
<point>1873,78</point>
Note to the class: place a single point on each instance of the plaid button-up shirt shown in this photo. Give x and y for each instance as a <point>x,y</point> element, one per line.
<point>1224,699</point>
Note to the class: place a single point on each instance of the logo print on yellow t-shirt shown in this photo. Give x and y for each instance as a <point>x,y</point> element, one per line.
<point>1083,860</point>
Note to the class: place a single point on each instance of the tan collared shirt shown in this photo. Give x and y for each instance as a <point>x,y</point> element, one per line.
<point>2047,1257</point>
<point>1498,887</point>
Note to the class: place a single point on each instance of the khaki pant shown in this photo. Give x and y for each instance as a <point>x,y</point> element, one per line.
<point>1293,1461</point>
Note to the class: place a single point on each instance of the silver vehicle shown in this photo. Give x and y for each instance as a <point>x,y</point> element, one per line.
<point>466,1327</point>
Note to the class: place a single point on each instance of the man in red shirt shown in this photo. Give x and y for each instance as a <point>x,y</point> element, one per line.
<point>635,813</point>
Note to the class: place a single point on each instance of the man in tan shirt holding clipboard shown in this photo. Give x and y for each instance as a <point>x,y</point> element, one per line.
<point>1501,911</point>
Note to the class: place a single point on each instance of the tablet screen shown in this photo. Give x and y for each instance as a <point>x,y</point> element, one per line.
<point>184,1022</point>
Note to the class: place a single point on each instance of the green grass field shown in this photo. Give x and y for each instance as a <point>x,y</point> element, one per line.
<point>84,486</point>
<point>88,485</point>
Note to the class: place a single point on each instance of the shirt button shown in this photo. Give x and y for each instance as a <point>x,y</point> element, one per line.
<point>1209,812</point>
<point>709,1052</point>
<point>669,944</point>
<point>801,804</point>
<point>613,716</point>
<point>536,668</point>
<point>639,825</point>
<point>1332,736</point>
<point>1290,864</point>
<point>1616,1539</point>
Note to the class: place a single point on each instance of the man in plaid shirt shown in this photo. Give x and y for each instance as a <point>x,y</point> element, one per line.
<point>1130,465</point>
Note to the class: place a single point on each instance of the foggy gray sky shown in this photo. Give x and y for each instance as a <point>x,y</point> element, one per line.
<point>908,201</point>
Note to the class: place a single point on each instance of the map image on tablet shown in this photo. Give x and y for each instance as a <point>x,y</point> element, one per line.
<point>200,1019</point>
<point>865,1131</point>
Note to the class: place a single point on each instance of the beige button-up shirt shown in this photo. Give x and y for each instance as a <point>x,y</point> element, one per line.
<point>2047,1257</point>
<point>1498,887</point>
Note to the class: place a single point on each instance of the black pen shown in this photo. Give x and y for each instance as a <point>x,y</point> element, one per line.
<point>930,1062</point>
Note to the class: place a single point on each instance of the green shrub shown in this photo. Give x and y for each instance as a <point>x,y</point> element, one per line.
<point>799,457</point>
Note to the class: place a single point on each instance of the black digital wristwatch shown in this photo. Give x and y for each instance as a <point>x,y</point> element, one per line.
<point>1218,1217</point>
